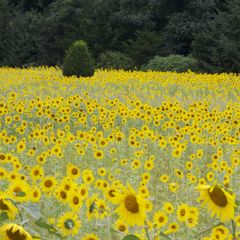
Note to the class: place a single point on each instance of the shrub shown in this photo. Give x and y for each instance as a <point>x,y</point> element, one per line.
<point>78,60</point>
<point>115,60</point>
<point>174,63</point>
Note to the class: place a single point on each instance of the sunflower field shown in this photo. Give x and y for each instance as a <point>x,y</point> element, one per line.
<point>120,155</point>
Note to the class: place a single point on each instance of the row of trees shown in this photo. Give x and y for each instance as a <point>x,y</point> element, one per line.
<point>39,32</point>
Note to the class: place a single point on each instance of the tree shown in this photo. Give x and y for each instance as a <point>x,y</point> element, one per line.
<point>17,45</point>
<point>217,47</point>
<point>144,46</point>
<point>4,18</point>
<point>78,60</point>
<point>182,25</point>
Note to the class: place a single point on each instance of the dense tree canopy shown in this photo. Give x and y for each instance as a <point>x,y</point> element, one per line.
<point>39,32</point>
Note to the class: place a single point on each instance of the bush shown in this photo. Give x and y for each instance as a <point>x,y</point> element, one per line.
<point>115,60</point>
<point>78,60</point>
<point>174,63</point>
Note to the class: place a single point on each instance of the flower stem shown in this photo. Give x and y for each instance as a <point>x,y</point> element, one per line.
<point>165,236</point>
<point>146,229</point>
<point>233,230</point>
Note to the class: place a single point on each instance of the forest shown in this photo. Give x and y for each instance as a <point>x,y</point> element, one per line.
<point>36,33</point>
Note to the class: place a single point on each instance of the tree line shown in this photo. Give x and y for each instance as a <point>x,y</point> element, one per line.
<point>39,32</point>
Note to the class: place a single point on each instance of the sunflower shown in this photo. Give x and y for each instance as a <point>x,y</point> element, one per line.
<point>69,224</point>
<point>102,171</point>
<point>8,207</point>
<point>83,190</point>
<point>172,228</point>
<point>98,154</point>
<point>111,193</point>
<point>237,220</point>
<point>121,226</point>
<point>182,212</point>
<point>19,191</point>
<point>90,236</point>
<point>48,184</point>
<point>36,172</point>
<point>75,201</point>
<point>92,211</point>
<point>131,207</point>
<point>35,194</point>
<point>168,208</point>
<point>11,231</point>
<point>73,171</point>
<point>218,201</point>
<point>220,232</point>
<point>164,178</point>
<point>160,219</point>
<point>88,177</point>
<point>191,220</point>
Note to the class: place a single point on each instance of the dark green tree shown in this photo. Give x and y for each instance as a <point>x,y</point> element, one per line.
<point>63,23</point>
<point>78,60</point>
<point>182,25</point>
<point>217,47</point>
<point>144,46</point>
<point>17,45</point>
<point>4,18</point>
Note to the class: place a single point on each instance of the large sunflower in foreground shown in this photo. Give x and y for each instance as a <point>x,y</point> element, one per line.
<point>11,231</point>
<point>218,201</point>
<point>131,207</point>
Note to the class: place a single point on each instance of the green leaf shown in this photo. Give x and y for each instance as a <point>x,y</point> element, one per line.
<point>92,207</point>
<point>21,194</point>
<point>131,237</point>
<point>3,216</point>
<point>32,209</point>
<point>42,224</point>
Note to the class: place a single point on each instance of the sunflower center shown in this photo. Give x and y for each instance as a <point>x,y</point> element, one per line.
<point>131,204</point>
<point>35,193</point>
<point>36,173</point>
<point>69,224</point>
<point>218,197</point>
<point>67,187</point>
<point>63,194</point>
<point>48,183</point>
<point>83,192</point>
<point>161,219</point>
<point>17,190</point>
<point>122,228</point>
<point>75,200</point>
<point>111,193</point>
<point>15,235</point>
<point>74,171</point>
<point>3,206</point>
<point>182,212</point>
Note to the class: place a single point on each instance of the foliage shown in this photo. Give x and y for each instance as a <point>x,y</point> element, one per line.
<point>17,45</point>
<point>34,33</point>
<point>115,60</point>
<point>182,25</point>
<point>144,46</point>
<point>78,60</point>
<point>176,63</point>
<point>218,46</point>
